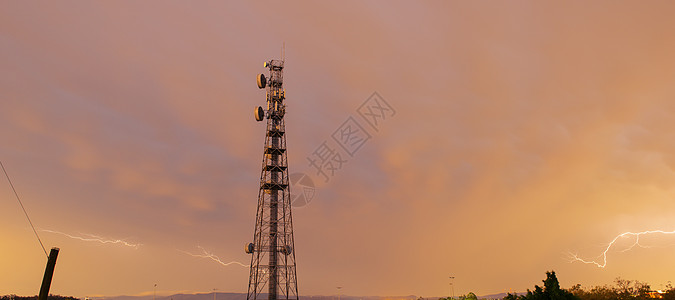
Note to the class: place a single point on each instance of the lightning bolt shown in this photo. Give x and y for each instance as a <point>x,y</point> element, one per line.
<point>87,237</point>
<point>206,254</point>
<point>603,262</point>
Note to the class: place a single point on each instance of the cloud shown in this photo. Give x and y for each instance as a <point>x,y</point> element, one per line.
<point>521,132</point>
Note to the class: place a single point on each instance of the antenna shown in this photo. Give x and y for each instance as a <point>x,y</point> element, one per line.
<point>272,249</point>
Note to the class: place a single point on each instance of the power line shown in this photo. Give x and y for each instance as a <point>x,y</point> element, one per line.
<point>24,209</point>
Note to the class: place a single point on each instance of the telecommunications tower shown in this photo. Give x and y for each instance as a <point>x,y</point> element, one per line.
<point>272,252</point>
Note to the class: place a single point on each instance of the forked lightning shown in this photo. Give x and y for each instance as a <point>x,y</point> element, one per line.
<point>601,263</point>
<point>206,254</point>
<point>95,238</point>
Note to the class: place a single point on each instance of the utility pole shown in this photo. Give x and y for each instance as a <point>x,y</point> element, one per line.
<point>452,286</point>
<point>49,272</point>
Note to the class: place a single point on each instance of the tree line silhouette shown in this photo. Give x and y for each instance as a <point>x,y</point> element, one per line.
<point>622,289</point>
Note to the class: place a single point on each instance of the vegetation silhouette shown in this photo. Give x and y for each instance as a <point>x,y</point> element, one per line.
<point>622,289</point>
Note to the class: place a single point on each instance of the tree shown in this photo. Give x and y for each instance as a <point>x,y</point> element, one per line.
<point>470,296</point>
<point>669,294</point>
<point>631,289</point>
<point>550,291</point>
<point>623,289</point>
<point>510,296</point>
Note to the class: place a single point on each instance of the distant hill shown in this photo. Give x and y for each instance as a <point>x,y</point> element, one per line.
<point>242,296</point>
<point>495,296</point>
<point>239,296</point>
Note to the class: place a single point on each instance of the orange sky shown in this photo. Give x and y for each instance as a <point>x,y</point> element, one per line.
<point>523,130</point>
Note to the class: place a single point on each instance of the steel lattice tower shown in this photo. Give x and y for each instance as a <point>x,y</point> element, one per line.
<point>273,252</point>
